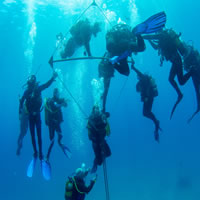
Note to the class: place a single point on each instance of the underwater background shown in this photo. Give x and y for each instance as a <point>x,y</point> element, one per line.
<point>139,167</point>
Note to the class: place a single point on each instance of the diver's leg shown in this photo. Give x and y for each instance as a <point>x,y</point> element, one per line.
<point>97,159</point>
<point>105,93</point>
<point>32,131</point>
<point>51,137</point>
<point>97,152</point>
<point>182,79</point>
<point>105,150</point>
<point>87,47</point>
<point>64,148</point>
<point>147,107</point>
<point>39,135</point>
<point>172,74</point>
<point>23,130</point>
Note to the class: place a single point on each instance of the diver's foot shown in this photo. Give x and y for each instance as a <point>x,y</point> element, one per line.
<point>66,151</point>
<point>158,126</point>
<point>18,152</point>
<point>156,136</point>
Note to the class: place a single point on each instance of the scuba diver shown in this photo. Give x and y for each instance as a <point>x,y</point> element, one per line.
<point>76,188</point>
<point>53,119</point>
<point>33,101</point>
<point>121,42</point>
<point>81,34</point>
<point>98,128</point>
<point>171,48</point>
<point>23,129</point>
<point>146,86</point>
<point>192,64</point>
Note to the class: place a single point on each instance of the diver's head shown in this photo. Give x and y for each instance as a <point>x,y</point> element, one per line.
<point>96,28</point>
<point>82,172</point>
<point>31,81</point>
<point>56,93</point>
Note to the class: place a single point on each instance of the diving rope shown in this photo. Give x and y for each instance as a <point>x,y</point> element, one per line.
<point>106,180</point>
<point>77,103</point>
<point>121,91</point>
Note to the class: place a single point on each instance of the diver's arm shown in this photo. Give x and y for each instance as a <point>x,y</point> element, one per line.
<point>61,103</point>
<point>84,188</point>
<point>137,71</point>
<point>47,84</point>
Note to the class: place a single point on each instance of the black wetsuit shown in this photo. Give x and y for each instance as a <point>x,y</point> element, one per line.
<point>33,104</point>
<point>97,133</point>
<point>80,190</point>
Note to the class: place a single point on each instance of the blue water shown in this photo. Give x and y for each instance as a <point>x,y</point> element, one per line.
<point>139,168</point>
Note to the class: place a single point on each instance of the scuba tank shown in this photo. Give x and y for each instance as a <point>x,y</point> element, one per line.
<point>69,189</point>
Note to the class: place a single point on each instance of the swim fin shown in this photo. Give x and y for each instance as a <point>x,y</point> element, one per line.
<point>66,151</point>
<point>46,169</point>
<point>153,24</point>
<point>175,105</point>
<point>31,167</point>
<point>194,114</point>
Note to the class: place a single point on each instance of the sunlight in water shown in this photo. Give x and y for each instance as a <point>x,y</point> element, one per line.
<point>97,91</point>
<point>78,124</point>
<point>32,32</point>
<point>133,13</point>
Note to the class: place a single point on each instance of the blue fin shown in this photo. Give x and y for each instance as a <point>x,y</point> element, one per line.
<point>116,59</point>
<point>31,167</point>
<point>153,24</point>
<point>46,169</point>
